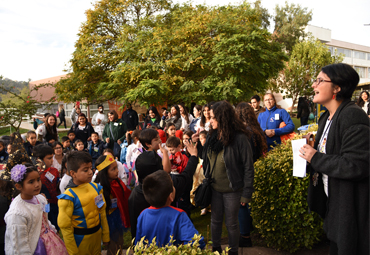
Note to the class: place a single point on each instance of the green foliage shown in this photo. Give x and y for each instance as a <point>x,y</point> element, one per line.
<point>305,63</point>
<point>10,84</point>
<point>144,247</point>
<point>17,104</point>
<point>290,22</point>
<point>279,203</point>
<point>196,54</point>
<point>96,51</point>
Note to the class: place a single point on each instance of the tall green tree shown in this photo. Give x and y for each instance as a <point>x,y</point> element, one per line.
<point>196,54</point>
<point>96,50</point>
<point>290,23</point>
<point>305,63</point>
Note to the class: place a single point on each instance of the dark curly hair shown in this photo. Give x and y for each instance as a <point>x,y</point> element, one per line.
<point>228,122</point>
<point>246,114</point>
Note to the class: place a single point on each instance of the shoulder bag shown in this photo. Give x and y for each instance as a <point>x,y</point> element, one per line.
<point>203,194</point>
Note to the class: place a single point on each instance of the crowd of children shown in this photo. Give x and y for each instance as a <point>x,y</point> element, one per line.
<point>87,196</point>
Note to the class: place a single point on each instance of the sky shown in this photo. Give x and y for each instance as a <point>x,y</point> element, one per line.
<point>37,37</point>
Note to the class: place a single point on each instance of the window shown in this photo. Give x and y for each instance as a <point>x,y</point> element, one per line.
<point>359,54</point>
<point>347,53</point>
<point>361,71</point>
<point>368,56</point>
<point>331,50</point>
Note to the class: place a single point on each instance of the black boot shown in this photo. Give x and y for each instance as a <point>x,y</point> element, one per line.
<point>245,241</point>
<point>219,249</point>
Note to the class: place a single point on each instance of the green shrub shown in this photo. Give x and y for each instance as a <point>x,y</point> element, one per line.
<point>144,247</point>
<point>279,203</point>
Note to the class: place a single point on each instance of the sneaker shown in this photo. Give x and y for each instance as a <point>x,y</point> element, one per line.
<point>245,242</point>
<point>203,211</point>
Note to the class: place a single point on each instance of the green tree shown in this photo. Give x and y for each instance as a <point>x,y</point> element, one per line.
<point>305,63</point>
<point>196,54</point>
<point>290,23</point>
<point>96,51</point>
<point>15,106</point>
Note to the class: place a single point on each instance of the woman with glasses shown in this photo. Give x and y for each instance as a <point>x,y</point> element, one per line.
<point>58,156</point>
<point>339,162</point>
<point>271,121</point>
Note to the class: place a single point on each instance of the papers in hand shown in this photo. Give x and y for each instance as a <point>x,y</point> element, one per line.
<point>299,164</point>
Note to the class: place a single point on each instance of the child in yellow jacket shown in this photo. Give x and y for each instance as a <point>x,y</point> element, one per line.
<point>82,215</point>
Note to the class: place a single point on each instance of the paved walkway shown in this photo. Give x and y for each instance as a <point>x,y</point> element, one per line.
<point>29,126</point>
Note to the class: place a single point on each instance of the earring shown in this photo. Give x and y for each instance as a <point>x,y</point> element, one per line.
<point>333,96</point>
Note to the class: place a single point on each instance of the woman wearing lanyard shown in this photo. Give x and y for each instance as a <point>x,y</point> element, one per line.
<point>339,162</point>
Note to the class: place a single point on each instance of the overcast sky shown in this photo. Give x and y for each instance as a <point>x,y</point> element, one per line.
<point>37,37</point>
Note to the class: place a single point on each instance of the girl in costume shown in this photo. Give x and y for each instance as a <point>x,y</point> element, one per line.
<point>116,195</point>
<point>28,229</point>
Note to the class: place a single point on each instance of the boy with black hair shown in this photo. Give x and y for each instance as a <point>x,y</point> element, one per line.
<point>67,146</point>
<point>161,220</point>
<point>3,154</point>
<point>95,147</point>
<point>72,136</point>
<point>178,160</point>
<point>82,215</point>
<point>146,163</point>
<point>149,162</point>
<point>31,138</point>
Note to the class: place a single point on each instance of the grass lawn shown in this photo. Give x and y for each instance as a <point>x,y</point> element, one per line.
<point>8,131</point>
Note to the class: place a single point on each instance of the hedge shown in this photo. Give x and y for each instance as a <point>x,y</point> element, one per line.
<point>279,203</point>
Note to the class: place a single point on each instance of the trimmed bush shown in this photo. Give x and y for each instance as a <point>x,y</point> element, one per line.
<point>144,247</point>
<point>279,203</point>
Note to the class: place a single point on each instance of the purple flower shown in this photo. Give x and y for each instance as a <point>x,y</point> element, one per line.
<point>18,172</point>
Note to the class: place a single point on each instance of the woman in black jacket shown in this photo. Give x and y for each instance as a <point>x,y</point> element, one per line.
<point>259,147</point>
<point>339,162</point>
<point>62,116</point>
<point>82,129</point>
<point>152,118</point>
<point>227,154</point>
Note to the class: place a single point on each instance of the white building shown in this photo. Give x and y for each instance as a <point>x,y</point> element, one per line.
<point>358,56</point>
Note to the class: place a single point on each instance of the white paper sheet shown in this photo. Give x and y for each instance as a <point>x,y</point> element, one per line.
<point>299,164</point>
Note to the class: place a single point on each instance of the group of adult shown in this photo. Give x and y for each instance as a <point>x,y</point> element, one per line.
<point>110,127</point>
<point>338,163</point>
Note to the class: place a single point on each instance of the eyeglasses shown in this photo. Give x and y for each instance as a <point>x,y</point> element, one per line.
<point>318,81</point>
<point>58,148</point>
<point>270,99</point>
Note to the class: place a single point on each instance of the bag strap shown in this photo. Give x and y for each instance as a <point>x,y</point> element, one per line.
<point>213,167</point>
<point>110,127</point>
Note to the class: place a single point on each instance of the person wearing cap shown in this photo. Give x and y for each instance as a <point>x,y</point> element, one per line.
<point>99,120</point>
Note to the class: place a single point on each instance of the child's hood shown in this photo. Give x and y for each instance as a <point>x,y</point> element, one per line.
<point>71,184</point>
